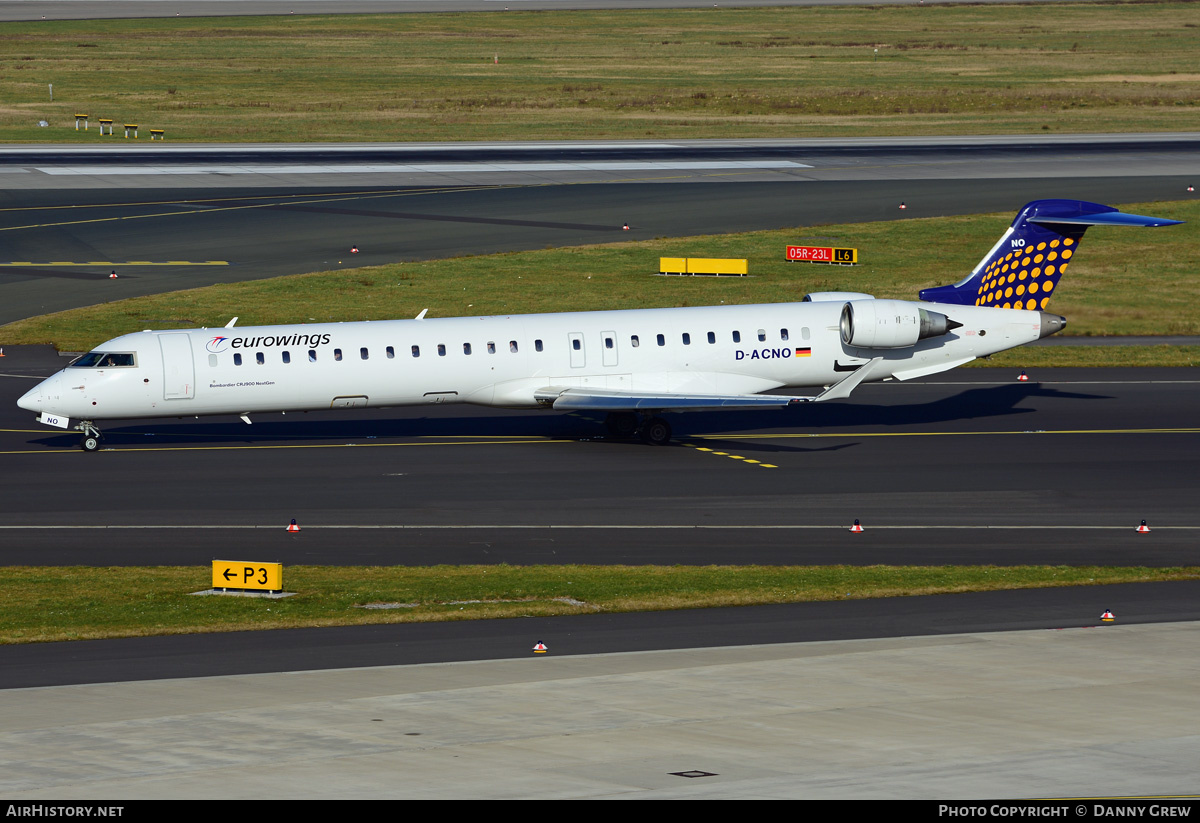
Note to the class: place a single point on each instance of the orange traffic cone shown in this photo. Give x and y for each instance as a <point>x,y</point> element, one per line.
<point>1023,377</point>
<point>857,527</point>
<point>292,527</point>
<point>540,648</point>
<point>1143,529</point>
<point>1107,617</point>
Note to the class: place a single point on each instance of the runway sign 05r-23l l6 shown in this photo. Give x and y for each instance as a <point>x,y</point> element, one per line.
<point>822,254</point>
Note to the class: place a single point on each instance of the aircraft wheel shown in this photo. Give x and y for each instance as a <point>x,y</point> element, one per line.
<point>621,424</point>
<point>90,443</point>
<point>657,431</point>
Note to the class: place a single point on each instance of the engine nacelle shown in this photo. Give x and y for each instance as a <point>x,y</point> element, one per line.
<point>835,296</point>
<point>890,324</point>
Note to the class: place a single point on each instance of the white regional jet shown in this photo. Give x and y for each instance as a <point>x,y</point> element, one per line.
<point>634,364</point>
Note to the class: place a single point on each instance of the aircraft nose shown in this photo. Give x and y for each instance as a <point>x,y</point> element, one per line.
<point>36,398</point>
<point>32,399</point>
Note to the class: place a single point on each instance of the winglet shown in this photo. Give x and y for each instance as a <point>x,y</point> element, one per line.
<point>421,316</point>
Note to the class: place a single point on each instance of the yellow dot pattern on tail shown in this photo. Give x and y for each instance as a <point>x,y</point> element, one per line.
<point>1024,278</point>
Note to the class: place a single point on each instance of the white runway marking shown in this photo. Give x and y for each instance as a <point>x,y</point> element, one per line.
<point>422,168</point>
<point>575,526</point>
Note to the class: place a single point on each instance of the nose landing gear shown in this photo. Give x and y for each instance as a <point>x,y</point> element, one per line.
<point>91,436</point>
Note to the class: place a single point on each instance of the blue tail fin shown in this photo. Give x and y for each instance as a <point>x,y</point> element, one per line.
<point>1023,268</point>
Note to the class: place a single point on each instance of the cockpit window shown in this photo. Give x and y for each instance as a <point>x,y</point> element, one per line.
<point>104,360</point>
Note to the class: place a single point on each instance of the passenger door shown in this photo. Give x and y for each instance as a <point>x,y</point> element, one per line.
<point>179,373</point>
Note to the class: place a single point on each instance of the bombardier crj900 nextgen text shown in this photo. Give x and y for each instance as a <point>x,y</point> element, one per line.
<point>634,364</point>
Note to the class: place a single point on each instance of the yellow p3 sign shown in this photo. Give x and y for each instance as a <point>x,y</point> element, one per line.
<point>240,574</point>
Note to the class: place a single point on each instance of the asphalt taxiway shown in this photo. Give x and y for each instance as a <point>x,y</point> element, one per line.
<point>968,467</point>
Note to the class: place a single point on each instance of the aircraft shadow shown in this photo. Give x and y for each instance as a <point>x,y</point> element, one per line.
<point>972,404</point>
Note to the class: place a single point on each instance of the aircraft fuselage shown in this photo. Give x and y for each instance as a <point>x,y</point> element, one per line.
<point>500,360</point>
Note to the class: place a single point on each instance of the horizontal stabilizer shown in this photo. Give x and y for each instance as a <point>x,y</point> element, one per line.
<point>1110,218</point>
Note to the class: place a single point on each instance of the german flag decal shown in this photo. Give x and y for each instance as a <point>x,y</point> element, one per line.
<point>804,352</point>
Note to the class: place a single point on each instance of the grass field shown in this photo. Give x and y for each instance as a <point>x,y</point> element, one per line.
<point>719,72</point>
<point>44,604</point>
<point>1124,281</point>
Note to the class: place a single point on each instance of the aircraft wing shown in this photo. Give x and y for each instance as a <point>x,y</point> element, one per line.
<point>579,399</point>
<point>575,399</point>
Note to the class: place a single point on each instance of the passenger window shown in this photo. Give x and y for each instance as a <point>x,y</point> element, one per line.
<point>804,332</point>
<point>237,359</point>
<point>212,360</point>
<point>312,355</point>
<point>633,341</point>
<point>441,349</point>
<point>491,347</point>
<point>712,337</point>
<point>762,335</point>
<point>287,357</point>
<point>662,341</point>
<point>783,335</point>
<point>391,353</point>
<point>416,351</point>
<point>466,348</point>
<point>687,339</point>
<point>261,358</point>
<point>737,337</point>
<point>363,353</point>
<point>337,354</point>
<point>537,345</point>
<point>512,346</point>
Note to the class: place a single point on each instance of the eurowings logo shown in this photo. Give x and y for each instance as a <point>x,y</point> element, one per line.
<point>217,344</point>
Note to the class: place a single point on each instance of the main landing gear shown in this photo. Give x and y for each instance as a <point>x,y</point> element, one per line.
<point>91,436</point>
<point>654,430</point>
